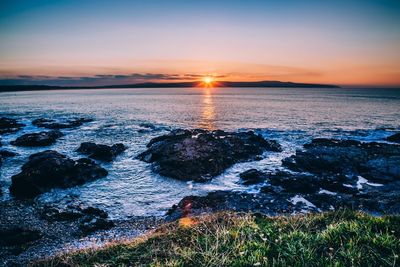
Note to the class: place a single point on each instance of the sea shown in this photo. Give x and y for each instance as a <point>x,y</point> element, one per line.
<point>292,116</point>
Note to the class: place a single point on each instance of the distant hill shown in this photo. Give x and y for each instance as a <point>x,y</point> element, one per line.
<point>13,88</point>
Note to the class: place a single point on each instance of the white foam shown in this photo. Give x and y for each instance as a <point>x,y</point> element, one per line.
<point>362,180</point>
<point>323,191</point>
<point>190,185</point>
<point>299,199</point>
<point>348,185</point>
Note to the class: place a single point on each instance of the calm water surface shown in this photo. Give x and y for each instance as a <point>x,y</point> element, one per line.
<point>134,116</point>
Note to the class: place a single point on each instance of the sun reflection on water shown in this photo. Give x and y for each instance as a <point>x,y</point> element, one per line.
<point>207,119</point>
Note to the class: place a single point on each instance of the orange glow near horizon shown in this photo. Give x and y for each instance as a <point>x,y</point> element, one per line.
<point>207,81</point>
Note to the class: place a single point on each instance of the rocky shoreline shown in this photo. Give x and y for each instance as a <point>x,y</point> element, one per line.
<point>325,174</point>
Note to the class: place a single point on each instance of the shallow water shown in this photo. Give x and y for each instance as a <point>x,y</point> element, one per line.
<point>133,116</point>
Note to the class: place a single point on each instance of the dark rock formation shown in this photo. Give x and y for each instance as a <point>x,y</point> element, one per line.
<point>271,203</point>
<point>252,176</point>
<point>70,209</point>
<point>308,183</point>
<point>5,154</point>
<point>331,174</point>
<point>200,155</point>
<point>38,139</point>
<point>101,152</point>
<point>50,169</point>
<point>16,236</point>
<point>8,125</point>
<point>375,161</point>
<point>394,138</point>
<point>53,124</point>
<point>89,219</point>
<point>91,224</point>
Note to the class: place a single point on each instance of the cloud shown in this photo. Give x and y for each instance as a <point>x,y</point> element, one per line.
<point>98,79</point>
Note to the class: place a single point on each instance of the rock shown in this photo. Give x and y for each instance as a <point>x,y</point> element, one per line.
<point>304,183</point>
<point>8,125</point>
<point>53,124</point>
<point>93,224</point>
<point>17,236</point>
<point>394,138</point>
<point>6,154</point>
<point>382,169</point>
<point>295,183</point>
<point>252,176</point>
<point>271,204</point>
<point>57,213</point>
<point>95,212</point>
<point>50,169</point>
<point>37,139</point>
<point>101,152</point>
<point>200,155</point>
<point>377,161</point>
<point>69,209</point>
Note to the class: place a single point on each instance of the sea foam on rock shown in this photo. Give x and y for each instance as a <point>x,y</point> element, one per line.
<point>50,169</point>
<point>200,155</point>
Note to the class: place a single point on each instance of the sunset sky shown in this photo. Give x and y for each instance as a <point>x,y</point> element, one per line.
<point>67,42</point>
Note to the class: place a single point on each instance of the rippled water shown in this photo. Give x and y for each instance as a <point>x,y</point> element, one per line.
<point>134,116</point>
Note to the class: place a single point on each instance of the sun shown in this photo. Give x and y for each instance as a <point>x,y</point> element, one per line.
<point>208,80</point>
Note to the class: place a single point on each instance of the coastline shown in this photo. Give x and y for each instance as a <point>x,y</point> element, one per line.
<point>260,84</point>
<point>254,171</point>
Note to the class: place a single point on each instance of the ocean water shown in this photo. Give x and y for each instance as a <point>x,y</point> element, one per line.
<point>291,116</point>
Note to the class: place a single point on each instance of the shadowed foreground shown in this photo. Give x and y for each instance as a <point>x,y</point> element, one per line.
<point>342,238</point>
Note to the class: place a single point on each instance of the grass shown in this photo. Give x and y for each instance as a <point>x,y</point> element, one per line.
<point>341,238</point>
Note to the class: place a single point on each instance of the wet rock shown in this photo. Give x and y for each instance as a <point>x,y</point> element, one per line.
<point>53,124</point>
<point>200,155</point>
<point>6,154</point>
<point>305,183</point>
<point>95,212</point>
<point>271,204</point>
<point>252,176</point>
<point>50,169</point>
<point>377,161</point>
<point>101,152</point>
<point>382,169</point>
<point>9,125</point>
<point>55,213</point>
<point>394,138</point>
<point>70,209</point>
<point>17,236</point>
<point>92,224</point>
<point>37,139</point>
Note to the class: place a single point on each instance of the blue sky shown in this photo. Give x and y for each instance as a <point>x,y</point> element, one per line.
<point>343,42</point>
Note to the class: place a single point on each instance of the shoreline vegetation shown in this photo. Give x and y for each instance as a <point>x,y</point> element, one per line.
<point>342,183</point>
<point>340,238</point>
<point>17,88</point>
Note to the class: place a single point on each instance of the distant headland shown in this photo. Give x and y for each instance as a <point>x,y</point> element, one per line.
<point>15,88</point>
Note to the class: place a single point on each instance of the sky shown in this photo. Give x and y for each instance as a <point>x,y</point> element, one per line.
<point>99,42</point>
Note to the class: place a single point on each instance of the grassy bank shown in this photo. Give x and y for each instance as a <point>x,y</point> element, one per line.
<point>342,238</point>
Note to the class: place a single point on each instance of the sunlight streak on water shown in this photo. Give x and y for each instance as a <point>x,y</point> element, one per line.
<point>135,116</point>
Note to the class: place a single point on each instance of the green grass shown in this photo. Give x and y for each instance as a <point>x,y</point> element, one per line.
<point>341,238</point>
